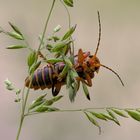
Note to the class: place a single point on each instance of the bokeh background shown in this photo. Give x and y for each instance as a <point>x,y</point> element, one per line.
<point>119,49</point>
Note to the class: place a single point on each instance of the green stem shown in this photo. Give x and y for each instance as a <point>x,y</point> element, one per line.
<point>69,21</point>
<point>20,126</point>
<point>78,110</point>
<point>69,18</point>
<point>46,25</point>
<point>24,102</point>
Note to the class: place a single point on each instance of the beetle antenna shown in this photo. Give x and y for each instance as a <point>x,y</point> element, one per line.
<point>114,73</point>
<point>99,38</point>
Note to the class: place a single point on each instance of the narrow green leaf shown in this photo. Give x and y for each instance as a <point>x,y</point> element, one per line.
<point>57,98</point>
<point>50,109</point>
<point>55,38</point>
<point>15,28</point>
<point>8,82</point>
<point>57,28</point>
<point>72,94</point>
<point>54,60</point>
<point>48,102</point>
<point>17,100</point>
<point>68,80</point>
<point>34,67</point>
<point>53,100</point>
<point>99,116</point>
<point>10,88</point>
<point>68,3</point>
<point>49,47</point>
<point>93,121</point>
<point>135,115</point>
<point>32,58</point>
<point>85,89</point>
<point>18,91</point>
<point>59,46</point>
<point>110,118</point>
<point>64,72</point>
<point>68,62</point>
<point>75,86</point>
<point>107,116</point>
<point>138,109</point>
<point>16,47</point>
<point>113,116</point>
<point>37,102</point>
<point>42,108</point>
<point>40,97</point>
<point>15,35</point>
<point>69,33</point>
<point>119,112</point>
<point>73,74</point>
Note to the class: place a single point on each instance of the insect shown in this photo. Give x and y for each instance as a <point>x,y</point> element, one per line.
<point>85,65</point>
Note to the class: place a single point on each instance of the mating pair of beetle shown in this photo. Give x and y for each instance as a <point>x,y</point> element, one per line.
<point>85,65</point>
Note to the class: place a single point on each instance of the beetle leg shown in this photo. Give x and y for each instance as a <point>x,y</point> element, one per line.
<point>56,88</point>
<point>80,57</point>
<point>88,81</point>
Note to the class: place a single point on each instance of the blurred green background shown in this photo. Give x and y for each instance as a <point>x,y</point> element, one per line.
<point>119,49</point>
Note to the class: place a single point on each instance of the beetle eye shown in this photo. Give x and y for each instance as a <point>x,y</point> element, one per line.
<point>88,64</point>
<point>90,56</point>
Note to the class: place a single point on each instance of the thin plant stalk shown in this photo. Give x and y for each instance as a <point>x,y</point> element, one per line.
<point>24,101</point>
<point>78,110</point>
<point>69,24</point>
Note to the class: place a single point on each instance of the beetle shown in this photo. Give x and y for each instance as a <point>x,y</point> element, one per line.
<point>85,65</point>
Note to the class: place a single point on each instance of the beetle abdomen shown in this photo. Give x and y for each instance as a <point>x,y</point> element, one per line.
<point>45,77</point>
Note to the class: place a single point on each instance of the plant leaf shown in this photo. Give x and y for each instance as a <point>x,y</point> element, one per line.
<point>32,58</point>
<point>18,91</point>
<point>93,121</point>
<point>54,60</point>
<point>37,102</point>
<point>57,98</point>
<point>53,100</point>
<point>68,3</point>
<point>16,47</point>
<point>34,67</point>
<point>68,80</point>
<point>15,35</point>
<point>86,91</point>
<point>135,115</point>
<point>99,116</point>
<point>50,109</point>
<point>8,82</point>
<point>110,118</point>
<point>59,46</point>
<point>64,72</point>
<point>119,112</point>
<point>44,108</point>
<point>68,62</point>
<point>113,116</point>
<point>72,94</point>
<point>69,33</point>
<point>57,28</point>
<point>15,28</point>
<point>138,109</point>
